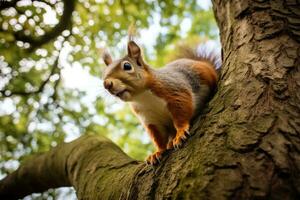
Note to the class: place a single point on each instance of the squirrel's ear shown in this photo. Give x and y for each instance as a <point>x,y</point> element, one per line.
<point>134,52</point>
<point>106,58</point>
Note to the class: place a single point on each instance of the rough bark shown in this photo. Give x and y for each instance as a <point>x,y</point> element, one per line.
<point>246,144</point>
<point>94,166</point>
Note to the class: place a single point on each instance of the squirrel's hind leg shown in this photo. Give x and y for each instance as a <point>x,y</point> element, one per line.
<point>182,112</point>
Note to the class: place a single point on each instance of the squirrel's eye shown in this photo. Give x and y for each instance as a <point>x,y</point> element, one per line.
<point>127,66</point>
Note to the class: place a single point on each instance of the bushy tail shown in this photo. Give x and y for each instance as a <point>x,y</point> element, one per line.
<point>202,53</point>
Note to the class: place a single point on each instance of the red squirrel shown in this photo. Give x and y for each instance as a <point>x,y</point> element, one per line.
<point>165,99</point>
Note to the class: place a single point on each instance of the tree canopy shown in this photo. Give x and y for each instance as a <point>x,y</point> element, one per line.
<point>50,68</point>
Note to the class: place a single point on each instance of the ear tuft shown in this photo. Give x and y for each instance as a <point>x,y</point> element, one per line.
<point>106,57</point>
<point>132,32</point>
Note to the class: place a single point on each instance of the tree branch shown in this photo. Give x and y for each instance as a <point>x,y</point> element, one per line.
<point>54,69</point>
<point>244,146</point>
<point>40,88</point>
<point>86,160</point>
<point>64,23</point>
<point>8,4</point>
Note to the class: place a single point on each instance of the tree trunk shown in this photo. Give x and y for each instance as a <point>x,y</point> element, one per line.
<point>246,144</point>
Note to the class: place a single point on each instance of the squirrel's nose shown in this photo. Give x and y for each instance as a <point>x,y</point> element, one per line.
<point>108,84</point>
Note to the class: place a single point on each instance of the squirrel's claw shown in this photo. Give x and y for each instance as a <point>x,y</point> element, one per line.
<point>155,158</point>
<point>177,143</point>
<point>187,133</point>
<point>179,140</point>
<point>158,160</point>
<point>170,145</point>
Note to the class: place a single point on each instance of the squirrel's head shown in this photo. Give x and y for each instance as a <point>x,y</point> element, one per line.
<point>126,77</point>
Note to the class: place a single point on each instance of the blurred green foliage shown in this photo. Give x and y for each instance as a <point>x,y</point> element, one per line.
<point>38,109</point>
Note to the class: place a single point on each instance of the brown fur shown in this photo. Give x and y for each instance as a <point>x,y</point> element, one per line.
<point>181,86</point>
<point>206,72</point>
<point>179,103</point>
<point>159,140</point>
<point>157,137</point>
<point>210,57</point>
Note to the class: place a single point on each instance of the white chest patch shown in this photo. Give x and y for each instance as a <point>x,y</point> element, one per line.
<point>152,109</point>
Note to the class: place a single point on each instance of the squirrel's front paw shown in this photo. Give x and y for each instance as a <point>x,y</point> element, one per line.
<point>154,158</point>
<point>180,139</point>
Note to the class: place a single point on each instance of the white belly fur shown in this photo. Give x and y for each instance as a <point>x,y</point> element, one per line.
<point>152,110</point>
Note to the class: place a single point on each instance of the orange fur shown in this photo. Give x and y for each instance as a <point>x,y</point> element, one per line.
<point>165,110</point>
<point>159,140</point>
<point>206,72</point>
<point>157,137</point>
<point>179,104</point>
